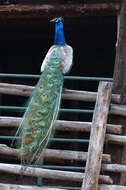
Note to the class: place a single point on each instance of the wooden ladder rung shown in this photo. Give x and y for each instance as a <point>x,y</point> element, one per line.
<point>25,90</point>
<point>23,187</point>
<point>61,125</point>
<point>53,154</point>
<point>49,173</point>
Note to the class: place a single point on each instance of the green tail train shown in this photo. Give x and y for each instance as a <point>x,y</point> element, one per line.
<point>39,119</point>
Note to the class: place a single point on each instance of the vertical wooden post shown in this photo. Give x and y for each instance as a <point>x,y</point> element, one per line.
<point>119,83</point>
<point>97,136</point>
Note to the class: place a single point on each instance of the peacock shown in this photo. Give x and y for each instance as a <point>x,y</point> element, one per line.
<point>38,124</point>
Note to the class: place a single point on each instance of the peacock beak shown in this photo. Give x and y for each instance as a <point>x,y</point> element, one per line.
<point>57,19</point>
<point>53,20</point>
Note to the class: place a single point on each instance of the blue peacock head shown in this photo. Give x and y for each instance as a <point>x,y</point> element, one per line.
<point>59,33</point>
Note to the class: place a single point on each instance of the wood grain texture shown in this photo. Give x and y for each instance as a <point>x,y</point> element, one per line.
<point>119,78</point>
<point>53,154</point>
<point>20,11</point>
<point>111,187</point>
<point>22,187</point>
<point>25,90</point>
<point>97,137</point>
<point>61,125</point>
<point>48,174</point>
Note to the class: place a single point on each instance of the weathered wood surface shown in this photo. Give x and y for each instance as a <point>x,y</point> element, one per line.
<point>52,10</point>
<point>111,187</point>
<point>25,90</point>
<point>53,154</point>
<point>61,125</point>
<point>75,126</point>
<point>97,137</point>
<point>49,174</point>
<point>114,168</point>
<point>67,155</point>
<point>118,109</point>
<point>116,139</point>
<point>119,78</point>
<point>22,187</point>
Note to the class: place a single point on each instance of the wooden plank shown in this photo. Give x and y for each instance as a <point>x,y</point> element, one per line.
<point>119,78</point>
<point>20,11</point>
<point>84,126</point>
<point>116,139</point>
<point>117,168</point>
<point>48,174</point>
<point>25,90</point>
<point>97,136</point>
<point>61,125</point>
<point>53,154</point>
<point>111,187</point>
<point>67,155</point>
<point>118,109</point>
<point>23,187</point>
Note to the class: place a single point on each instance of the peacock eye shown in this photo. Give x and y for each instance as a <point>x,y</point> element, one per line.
<point>41,87</point>
<point>44,94</point>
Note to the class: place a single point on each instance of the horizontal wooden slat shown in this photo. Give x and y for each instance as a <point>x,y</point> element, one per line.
<point>25,90</point>
<point>110,138</point>
<point>118,109</point>
<point>67,155</point>
<point>49,174</point>
<point>111,187</point>
<point>114,168</point>
<point>21,187</point>
<point>52,10</point>
<point>116,139</point>
<point>61,125</point>
<point>53,154</point>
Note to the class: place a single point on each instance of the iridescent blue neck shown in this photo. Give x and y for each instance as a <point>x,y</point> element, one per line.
<point>59,34</point>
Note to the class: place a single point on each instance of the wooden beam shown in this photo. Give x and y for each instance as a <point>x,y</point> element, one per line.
<point>115,139</point>
<point>25,90</point>
<point>61,125</point>
<point>24,187</point>
<point>115,109</point>
<point>67,155</point>
<point>84,126</point>
<point>111,187</point>
<point>51,10</point>
<point>117,168</point>
<point>118,109</point>
<point>119,79</point>
<point>48,174</point>
<point>97,137</point>
<point>53,154</point>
